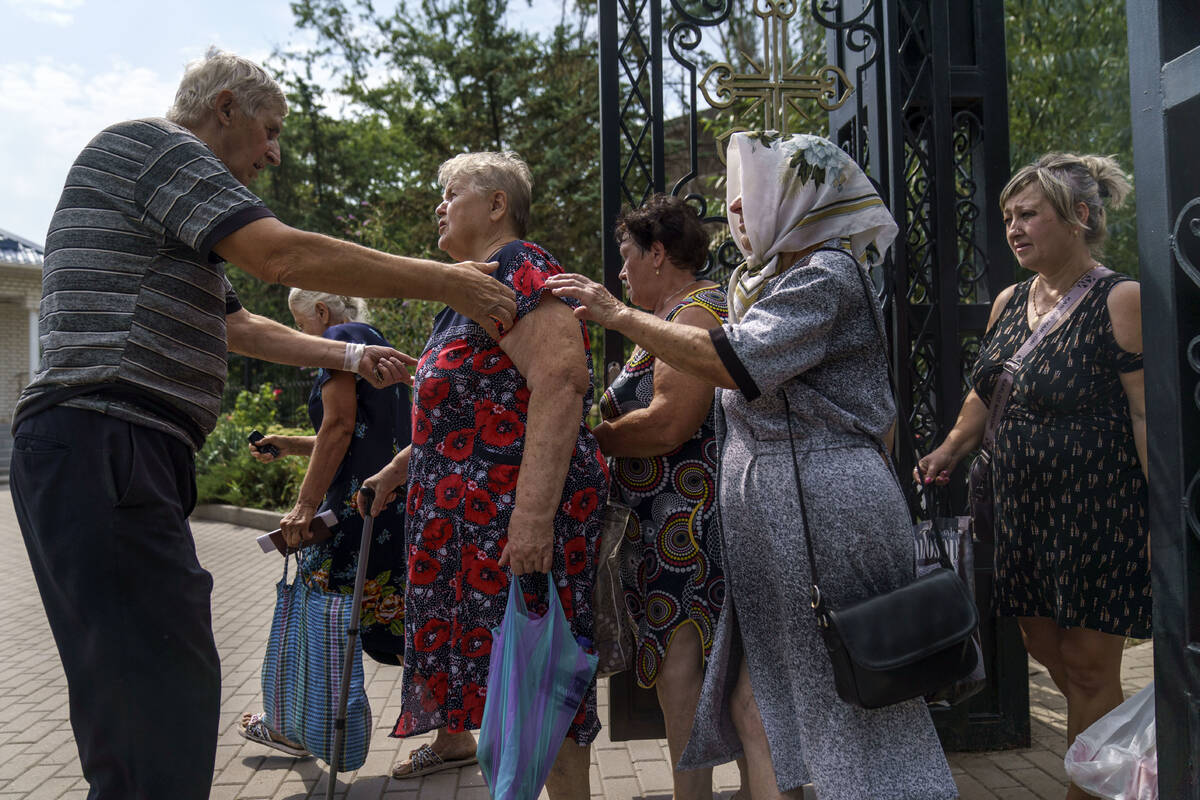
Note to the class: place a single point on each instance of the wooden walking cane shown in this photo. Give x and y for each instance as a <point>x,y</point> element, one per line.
<point>360,578</point>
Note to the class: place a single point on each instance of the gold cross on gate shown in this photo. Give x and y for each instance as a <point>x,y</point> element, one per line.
<point>774,84</point>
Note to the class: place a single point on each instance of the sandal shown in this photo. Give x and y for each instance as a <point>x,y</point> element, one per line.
<point>256,730</point>
<point>425,761</point>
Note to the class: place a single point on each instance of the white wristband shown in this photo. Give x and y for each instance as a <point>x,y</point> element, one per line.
<point>354,354</point>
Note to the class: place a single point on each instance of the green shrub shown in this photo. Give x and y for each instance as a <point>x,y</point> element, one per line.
<point>227,473</point>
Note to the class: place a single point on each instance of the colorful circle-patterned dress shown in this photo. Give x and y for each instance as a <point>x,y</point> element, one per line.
<point>468,435</point>
<point>1071,522</point>
<point>674,501</point>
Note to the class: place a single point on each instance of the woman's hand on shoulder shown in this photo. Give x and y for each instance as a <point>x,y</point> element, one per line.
<point>1125,311</point>
<point>595,302</point>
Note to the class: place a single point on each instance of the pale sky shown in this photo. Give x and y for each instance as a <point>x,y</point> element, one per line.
<point>69,68</point>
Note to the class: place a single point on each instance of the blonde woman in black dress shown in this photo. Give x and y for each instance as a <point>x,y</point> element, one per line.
<point>1072,557</point>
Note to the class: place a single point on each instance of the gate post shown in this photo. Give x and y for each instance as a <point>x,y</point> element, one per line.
<point>1164,74</point>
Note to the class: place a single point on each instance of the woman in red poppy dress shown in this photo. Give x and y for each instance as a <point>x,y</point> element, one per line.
<point>504,478</point>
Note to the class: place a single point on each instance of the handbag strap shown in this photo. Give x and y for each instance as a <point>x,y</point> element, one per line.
<point>817,600</point>
<point>815,590</point>
<point>1004,383</point>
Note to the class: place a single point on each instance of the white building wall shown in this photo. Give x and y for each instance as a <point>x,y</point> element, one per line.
<point>20,292</point>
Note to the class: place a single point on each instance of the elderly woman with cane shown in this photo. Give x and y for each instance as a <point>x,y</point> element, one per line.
<point>358,430</point>
<point>804,331</point>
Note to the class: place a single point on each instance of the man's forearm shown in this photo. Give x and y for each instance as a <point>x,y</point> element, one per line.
<point>265,339</point>
<point>322,263</point>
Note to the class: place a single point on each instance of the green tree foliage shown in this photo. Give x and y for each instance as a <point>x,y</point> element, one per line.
<point>1068,90</point>
<point>227,473</point>
<point>414,86</point>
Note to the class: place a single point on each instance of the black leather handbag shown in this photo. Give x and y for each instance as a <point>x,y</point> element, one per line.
<point>898,645</point>
<point>902,644</point>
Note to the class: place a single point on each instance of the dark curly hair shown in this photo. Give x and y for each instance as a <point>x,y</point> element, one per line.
<point>669,220</point>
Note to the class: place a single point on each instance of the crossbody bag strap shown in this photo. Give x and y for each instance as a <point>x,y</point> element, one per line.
<point>814,590</point>
<point>1004,383</point>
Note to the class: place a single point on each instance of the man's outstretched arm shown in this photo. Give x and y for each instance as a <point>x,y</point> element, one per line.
<point>274,252</point>
<point>259,337</point>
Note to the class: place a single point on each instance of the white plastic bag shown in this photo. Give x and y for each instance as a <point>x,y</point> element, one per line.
<point>1117,757</point>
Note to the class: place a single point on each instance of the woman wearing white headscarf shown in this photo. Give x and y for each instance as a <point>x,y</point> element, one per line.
<point>802,322</point>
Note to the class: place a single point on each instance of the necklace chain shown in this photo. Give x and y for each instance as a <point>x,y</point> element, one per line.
<point>1040,289</point>
<point>676,293</point>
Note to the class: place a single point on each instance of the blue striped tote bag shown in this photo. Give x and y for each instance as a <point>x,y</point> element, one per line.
<point>302,672</point>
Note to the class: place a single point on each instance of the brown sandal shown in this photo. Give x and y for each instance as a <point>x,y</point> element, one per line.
<point>424,761</point>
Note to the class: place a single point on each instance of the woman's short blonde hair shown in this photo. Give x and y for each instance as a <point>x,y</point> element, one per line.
<point>342,308</point>
<point>489,172</point>
<point>207,77</point>
<point>1067,180</point>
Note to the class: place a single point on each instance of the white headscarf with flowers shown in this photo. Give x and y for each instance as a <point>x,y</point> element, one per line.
<point>798,192</point>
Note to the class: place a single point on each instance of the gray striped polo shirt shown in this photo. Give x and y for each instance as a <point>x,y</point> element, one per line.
<point>132,319</point>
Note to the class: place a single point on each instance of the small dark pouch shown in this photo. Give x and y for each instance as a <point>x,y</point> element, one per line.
<point>981,498</point>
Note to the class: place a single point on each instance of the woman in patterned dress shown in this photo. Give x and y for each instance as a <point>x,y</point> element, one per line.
<point>359,429</point>
<point>659,427</point>
<point>504,478</point>
<point>802,322</point>
<point>1069,467</point>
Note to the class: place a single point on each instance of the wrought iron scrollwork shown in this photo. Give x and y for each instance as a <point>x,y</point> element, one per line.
<point>1185,247</point>
<point>972,266</point>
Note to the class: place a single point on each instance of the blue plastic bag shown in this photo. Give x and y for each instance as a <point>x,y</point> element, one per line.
<point>538,677</point>
<point>302,673</point>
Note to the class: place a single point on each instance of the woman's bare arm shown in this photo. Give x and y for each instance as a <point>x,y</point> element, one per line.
<point>684,347</point>
<point>546,346</point>
<point>338,397</point>
<point>678,408</point>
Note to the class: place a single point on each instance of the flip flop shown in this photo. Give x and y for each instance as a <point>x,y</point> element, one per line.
<point>256,730</point>
<point>426,762</point>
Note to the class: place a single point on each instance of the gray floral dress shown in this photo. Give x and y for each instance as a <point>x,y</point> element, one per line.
<point>811,334</point>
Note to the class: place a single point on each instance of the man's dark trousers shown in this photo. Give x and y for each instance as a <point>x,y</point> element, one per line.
<point>103,507</point>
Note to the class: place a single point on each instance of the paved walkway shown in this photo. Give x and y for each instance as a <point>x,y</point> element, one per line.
<point>38,759</point>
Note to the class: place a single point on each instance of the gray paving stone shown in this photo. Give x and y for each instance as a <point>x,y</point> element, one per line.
<point>971,789</point>
<point>615,764</point>
<point>654,776</point>
<point>1043,785</point>
<point>50,789</point>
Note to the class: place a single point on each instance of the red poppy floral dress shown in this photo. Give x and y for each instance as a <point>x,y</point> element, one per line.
<point>468,435</point>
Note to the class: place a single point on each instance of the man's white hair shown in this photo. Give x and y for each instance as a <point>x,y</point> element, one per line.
<point>207,77</point>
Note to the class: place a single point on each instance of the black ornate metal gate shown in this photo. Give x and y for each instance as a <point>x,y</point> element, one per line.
<point>1164,71</point>
<point>915,91</point>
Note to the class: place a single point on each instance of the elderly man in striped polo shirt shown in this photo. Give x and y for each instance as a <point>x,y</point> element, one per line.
<point>136,318</point>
